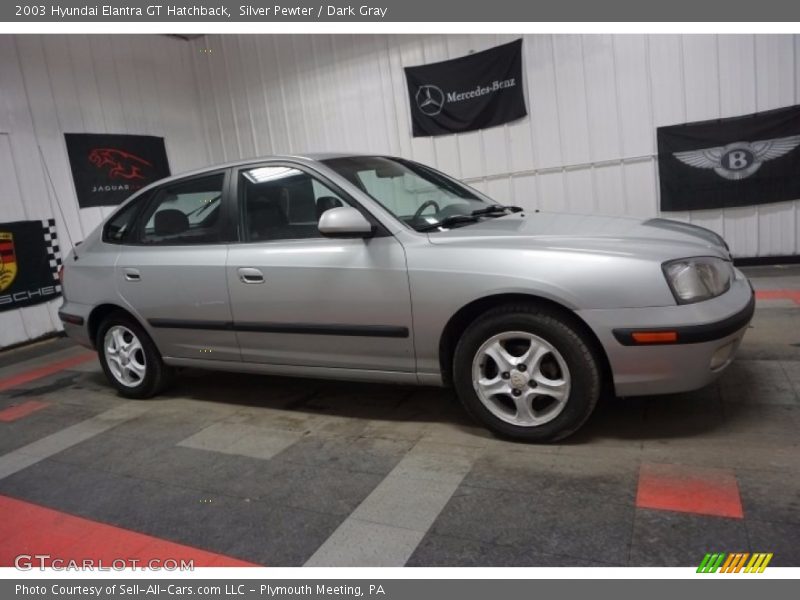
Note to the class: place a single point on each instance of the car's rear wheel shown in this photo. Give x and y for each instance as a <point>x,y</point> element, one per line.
<point>129,358</point>
<point>526,372</point>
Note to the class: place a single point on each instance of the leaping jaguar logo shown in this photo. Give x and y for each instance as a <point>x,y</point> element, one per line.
<point>118,163</point>
<point>739,159</point>
<point>8,260</point>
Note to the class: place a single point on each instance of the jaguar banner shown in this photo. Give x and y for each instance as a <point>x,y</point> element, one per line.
<point>753,159</point>
<point>107,168</point>
<point>476,91</point>
<point>29,262</point>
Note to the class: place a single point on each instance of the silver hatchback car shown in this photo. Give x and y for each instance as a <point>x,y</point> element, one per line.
<point>382,269</point>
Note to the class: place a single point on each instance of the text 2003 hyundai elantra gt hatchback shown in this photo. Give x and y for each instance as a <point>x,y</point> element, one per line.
<point>382,269</point>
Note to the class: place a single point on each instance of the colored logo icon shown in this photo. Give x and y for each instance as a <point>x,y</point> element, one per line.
<point>735,562</point>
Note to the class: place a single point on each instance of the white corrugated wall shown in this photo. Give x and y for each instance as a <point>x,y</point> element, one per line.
<point>52,84</point>
<point>588,144</point>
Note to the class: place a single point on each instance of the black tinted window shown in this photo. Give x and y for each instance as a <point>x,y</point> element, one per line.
<point>187,212</point>
<point>119,226</point>
<point>282,203</point>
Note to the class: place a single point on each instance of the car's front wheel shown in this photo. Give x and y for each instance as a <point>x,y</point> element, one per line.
<point>526,372</point>
<point>130,359</point>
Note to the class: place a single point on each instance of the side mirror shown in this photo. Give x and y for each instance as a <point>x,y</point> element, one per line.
<point>344,222</point>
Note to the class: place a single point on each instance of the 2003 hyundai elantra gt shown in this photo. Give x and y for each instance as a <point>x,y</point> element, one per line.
<point>382,269</point>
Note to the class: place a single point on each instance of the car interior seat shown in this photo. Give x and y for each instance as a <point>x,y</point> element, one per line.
<point>170,222</point>
<point>265,215</point>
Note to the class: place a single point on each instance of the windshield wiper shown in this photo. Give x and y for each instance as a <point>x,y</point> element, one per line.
<point>449,222</point>
<point>495,209</point>
<point>204,207</point>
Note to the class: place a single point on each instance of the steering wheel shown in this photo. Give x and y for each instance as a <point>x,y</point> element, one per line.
<point>422,208</point>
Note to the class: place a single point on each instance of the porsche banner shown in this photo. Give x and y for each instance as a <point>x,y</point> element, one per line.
<point>107,168</point>
<point>739,161</point>
<point>472,92</point>
<point>29,262</point>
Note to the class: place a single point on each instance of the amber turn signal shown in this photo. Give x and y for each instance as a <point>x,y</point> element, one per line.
<point>655,337</point>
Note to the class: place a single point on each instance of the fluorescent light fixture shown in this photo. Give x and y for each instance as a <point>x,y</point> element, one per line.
<point>264,174</point>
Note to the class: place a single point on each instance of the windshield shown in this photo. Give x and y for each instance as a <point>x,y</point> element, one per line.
<point>418,196</point>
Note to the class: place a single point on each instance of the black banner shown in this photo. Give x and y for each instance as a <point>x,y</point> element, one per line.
<point>472,92</point>
<point>29,262</point>
<point>107,168</point>
<point>739,161</point>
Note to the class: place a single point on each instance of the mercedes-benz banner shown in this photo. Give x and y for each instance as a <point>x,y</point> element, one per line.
<point>476,91</point>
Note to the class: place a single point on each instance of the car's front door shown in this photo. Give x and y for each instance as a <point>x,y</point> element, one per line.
<point>299,298</point>
<point>171,271</point>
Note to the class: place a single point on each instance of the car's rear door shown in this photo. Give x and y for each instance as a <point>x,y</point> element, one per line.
<point>171,271</point>
<point>302,299</point>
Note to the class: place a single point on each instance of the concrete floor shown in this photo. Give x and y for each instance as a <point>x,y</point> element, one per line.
<point>290,472</point>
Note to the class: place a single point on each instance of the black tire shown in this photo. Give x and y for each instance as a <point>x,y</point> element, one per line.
<point>157,374</point>
<point>559,331</point>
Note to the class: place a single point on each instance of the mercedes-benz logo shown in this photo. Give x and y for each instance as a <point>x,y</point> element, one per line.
<point>430,100</point>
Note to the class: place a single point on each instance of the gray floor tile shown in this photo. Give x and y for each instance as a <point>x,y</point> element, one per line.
<point>38,425</point>
<point>255,531</point>
<point>669,539</point>
<point>367,455</point>
<point>549,524</point>
<point>779,538</point>
<point>446,551</point>
<point>242,439</point>
<point>408,503</point>
<point>362,544</point>
<point>323,490</point>
<point>558,474</point>
<point>769,495</point>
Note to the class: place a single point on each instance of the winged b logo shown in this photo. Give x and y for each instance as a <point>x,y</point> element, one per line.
<point>739,159</point>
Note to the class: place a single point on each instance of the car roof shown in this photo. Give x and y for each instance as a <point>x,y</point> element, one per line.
<point>309,156</point>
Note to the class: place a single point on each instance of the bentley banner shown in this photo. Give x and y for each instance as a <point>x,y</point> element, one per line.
<point>107,168</point>
<point>29,262</point>
<point>730,162</point>
<point>472,92</point>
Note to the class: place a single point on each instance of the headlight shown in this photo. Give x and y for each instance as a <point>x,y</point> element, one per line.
<point>699,278</point>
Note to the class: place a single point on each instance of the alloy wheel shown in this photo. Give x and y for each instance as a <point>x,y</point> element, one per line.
<point>521,378</point>
<point>125,356</point>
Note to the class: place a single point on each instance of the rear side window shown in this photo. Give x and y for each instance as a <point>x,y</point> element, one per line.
<point>187,212</point>
<point>118,228</point>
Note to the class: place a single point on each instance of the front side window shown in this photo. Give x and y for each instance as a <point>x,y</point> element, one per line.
<point>283,203</point>
<point>418,196</point>
<point>187,212</point>
<point>119,226</point>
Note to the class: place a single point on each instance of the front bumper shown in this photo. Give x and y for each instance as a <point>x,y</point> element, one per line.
<point>707,336</point>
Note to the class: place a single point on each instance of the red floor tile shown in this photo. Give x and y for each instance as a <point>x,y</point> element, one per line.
<point>48,369</point>
<point>793,295</point>
<point>32,529</point>
<point>687,489</point>
<point>12,413</point>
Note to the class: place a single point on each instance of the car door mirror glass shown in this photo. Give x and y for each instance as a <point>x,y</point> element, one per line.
<point>344,221</point>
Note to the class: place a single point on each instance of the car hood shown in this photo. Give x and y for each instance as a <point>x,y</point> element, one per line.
<point>661,239</point>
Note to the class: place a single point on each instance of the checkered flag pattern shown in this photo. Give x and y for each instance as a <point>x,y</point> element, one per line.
<point>53,251</point>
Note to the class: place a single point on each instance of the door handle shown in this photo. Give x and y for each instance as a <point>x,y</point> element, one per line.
<point>132,274</point>
<point>250,275</point>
